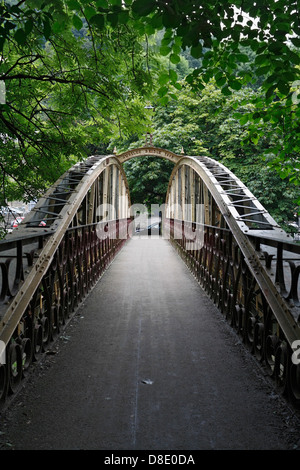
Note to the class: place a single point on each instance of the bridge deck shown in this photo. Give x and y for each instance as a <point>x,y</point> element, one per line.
<point>147,362</point>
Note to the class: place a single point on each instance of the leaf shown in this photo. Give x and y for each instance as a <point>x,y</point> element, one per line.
<point>149,30</point>
<point>165,50</point>
<point>176,49</point>
<point>189,78</point>
<point>175,59</point>
<point>283,87</point>
<point>226,91</point>
<point>221,81</point>
<point>164,100</point>
<point>270,91</point>
<point>73,4</point>
<point>168,34</point>
<point>289,76</point>
<point>9,25</point>
<point>143,7</point>
<point>275,47</point>
<point>47,28</point>
<point>272,79</point>
<point>235,84</point>
<point>98,20</point>
<point>262,59</point>
<point>242,58</point>
<point>102,3</point>
<point>178,86</point>
<point>170,20</point>
<point>163,79</point>
<point>244,119</point>
<point>166,41</point>
<point>173,76</point>
<point>77,22</point>
<point>262,70</point>
<point>178,40</point>
<point>124,17</point>
<point>196,51</point>
<point>156,21</point>
<point>28,26</point>
<point>89,12</point>
<point>162,91</point>
<point>295,41</point>
<point>112,18</point>
<point>255,138</point>
<point>58,27</point>
<point>256,115</point>
<point>20,36</point>
<point>294,57</point>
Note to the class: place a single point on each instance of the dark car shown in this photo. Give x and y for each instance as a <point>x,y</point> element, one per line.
<point>150,229</point>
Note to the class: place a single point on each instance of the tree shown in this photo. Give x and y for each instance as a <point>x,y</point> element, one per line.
<point>69,85</point>
<point>222,36</point>
<point>233,42</point>
<point>207,123</point>
<point>148,179</point>
<point>215,32</point>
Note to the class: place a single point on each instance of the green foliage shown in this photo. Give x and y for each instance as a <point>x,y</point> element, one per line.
<point>236,43</point>
<point>78,74</point>
<point>148,179</point>
<point>208,123</point>
<point>70,82</point>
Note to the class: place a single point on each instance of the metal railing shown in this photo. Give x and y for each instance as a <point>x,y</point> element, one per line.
<point>233,283</point>
<point>79,261</point>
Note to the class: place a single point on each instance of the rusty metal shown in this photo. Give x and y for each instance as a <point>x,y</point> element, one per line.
<point>48,268</point>
<point>247,264</point>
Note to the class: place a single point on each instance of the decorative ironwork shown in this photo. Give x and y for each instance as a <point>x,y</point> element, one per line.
<point>247,264</point>
<point>47,269</point>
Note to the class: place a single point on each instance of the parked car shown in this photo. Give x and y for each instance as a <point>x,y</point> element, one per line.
<point>151,229</point>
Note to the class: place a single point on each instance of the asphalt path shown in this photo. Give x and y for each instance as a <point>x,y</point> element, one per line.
<point>148,362</point>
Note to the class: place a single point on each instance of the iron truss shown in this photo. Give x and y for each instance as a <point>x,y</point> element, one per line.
<point>245,261</point>
<point>54,257</point>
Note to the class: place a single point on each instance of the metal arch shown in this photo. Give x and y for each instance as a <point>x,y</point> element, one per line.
<point>61,201</point>
<point>57,207</point>
<point>148,151</point>
<point>232,197</point>
<point>56,218</point>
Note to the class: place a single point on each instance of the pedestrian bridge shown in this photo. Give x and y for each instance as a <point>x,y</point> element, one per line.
<point>244,261</point>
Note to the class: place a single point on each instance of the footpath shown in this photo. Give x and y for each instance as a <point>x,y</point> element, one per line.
<point>148,363</point>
